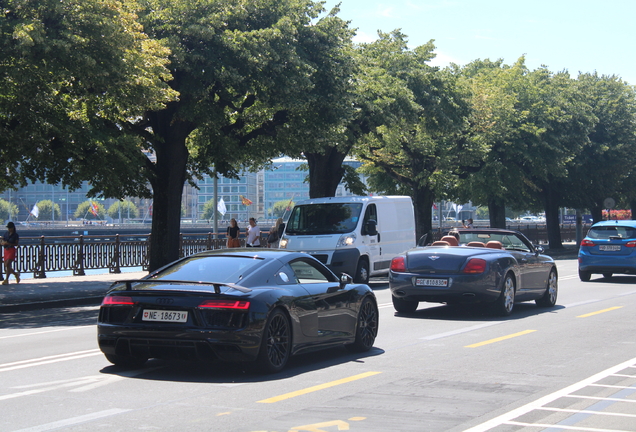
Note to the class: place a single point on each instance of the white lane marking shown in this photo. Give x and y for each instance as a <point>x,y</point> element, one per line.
<point>385,305</point>
<point>574,428</point>
<point>581,303</point>
<point>74,420</point>
<point>6,367</point>
<point>573,411</point>
<point>461,330</point>
<point>568,277</point>
<point>46,331</point>
<point>507,417</point>
<point>600,398</point>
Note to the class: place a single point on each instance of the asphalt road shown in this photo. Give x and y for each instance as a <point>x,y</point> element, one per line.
<point>572,367</point>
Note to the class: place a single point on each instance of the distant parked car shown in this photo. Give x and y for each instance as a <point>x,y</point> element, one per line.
<point>608,248</point>
<point>487,265</point>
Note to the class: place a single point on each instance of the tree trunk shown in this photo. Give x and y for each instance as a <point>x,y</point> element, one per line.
<point>325,172</point>
<point>551,206</point>
<point>597,213</point>
<point>167,188</point>
<point>497,214</point>
<point>423,203</point>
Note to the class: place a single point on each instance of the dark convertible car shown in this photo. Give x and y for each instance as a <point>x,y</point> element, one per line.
<point>495,266</point>
<point>260,305</point>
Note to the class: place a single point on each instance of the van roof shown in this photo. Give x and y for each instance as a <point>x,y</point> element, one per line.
<point>348,199</point>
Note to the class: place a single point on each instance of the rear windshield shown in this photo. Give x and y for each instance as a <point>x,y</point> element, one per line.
<point>616,232</point>
<point>224,269</point>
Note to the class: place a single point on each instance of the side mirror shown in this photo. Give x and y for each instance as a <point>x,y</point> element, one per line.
<point>345,279</point>
<point>538,249</point>
<point>371,227</point>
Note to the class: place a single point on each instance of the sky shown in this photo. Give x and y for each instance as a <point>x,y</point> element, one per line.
<point>563,35</point>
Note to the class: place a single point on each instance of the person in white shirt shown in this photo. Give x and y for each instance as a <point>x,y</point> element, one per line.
<point>253,234</point>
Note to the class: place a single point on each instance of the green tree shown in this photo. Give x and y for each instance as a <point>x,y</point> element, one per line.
<point>121,210</point>
<point>48,211</point>
<point>8,211</point>
<point>423,151</point>
<point>84,211</point>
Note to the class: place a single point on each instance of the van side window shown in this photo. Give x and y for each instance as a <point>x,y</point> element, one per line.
<point>371,213</point>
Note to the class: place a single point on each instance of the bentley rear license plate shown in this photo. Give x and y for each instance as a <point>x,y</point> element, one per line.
<point>431,282</point>
<point>609,247</point>
<point>165,316</point>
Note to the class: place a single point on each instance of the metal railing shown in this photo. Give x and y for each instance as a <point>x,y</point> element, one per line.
<point>40,255</point>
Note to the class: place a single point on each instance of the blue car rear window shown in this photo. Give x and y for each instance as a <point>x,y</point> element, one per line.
<point>606,232</point>
<point>225,269</point>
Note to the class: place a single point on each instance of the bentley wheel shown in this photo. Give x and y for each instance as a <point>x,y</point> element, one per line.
<point>362,272</point>
<point>551,291</point>
<point>126,361</point>
<point>506,301</point>
<point>404,306</point>
<point>366,328</point>
<point>276,344</point>
<point>584,275</point>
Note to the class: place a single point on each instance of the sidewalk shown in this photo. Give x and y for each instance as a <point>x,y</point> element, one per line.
<point>60,291</point>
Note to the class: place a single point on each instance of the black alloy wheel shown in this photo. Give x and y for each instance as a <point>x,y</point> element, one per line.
<point>276,344</point>
<point>367,327</point>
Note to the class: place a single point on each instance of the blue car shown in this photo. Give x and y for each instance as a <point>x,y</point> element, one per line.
<point>608,248</point>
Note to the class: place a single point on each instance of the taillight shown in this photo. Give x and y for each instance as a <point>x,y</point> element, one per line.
<point>475,265</point>
<point>587,243</point>
<point>226,304</point>
<point>117,301</point>
<point>398,264</point>
<point>630,244</point>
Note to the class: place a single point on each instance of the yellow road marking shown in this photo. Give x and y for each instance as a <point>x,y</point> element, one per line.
<point>224,413</point>
<point>499,339</point>
<point>318,387</point>
<point>599,312</point>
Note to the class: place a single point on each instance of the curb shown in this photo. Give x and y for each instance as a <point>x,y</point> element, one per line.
<point>48,304</point>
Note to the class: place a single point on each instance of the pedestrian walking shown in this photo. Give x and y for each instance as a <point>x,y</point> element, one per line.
<point>253,234</point>
<point>10,241</point>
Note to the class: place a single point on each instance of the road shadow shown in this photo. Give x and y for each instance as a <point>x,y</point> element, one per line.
<point>225,373</point>
<point>50,317</point>
<point>622,280</point>
<point>476,312</point>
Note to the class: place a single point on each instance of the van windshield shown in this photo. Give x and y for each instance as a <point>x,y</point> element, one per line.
<point>332,218</point>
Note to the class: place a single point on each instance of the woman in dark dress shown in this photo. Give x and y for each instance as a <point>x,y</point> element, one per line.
<point>233,232</point>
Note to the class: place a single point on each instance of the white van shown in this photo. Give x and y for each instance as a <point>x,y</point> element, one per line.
<point>357,235</point>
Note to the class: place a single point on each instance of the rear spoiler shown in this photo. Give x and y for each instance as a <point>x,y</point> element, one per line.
<point>217,285</point>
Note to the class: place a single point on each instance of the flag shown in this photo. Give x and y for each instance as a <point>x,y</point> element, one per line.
<point>94,209</point>
<point>434,206</point>
<point>35,211</point>
<point>245,201</point>
<point>289,204</point>
<point>221,207</point>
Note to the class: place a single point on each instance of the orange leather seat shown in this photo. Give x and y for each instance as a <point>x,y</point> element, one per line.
<point>493,244</point>
<point>451,240</point>
<point>475,244</point>
<point>440,243</point>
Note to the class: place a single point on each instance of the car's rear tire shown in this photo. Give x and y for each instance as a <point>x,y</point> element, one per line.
<point>608,275</point>
<point>585,276</point>
<point>404,306</point>
<point>551,292</point>
<point>362,272</point>
<point>504,305</point>
<point>276,343</point>
<point>129,362</point>
<point>366,328</point>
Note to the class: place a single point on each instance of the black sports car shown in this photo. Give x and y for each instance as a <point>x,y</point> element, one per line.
<point>494,266</point>
<point>251,304</point>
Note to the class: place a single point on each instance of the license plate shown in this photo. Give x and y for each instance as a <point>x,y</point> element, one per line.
<point>609,247</point>
<point>165,316</point>
<point>431,282</point>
